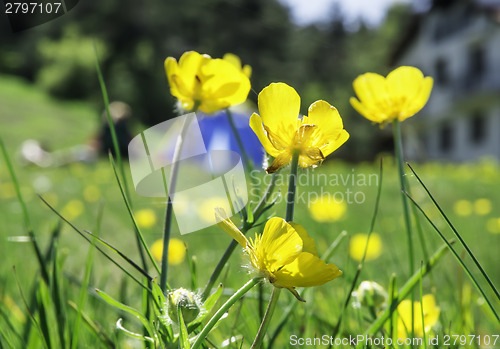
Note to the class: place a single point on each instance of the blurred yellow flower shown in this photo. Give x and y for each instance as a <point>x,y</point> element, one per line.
<point>284,254</point>
<point>463,208</point>
<point>327,209</point>
<point>281,132</point>
<point>358,244</point>
<point>398,96</point>
<point>176,251</point>
<point>207,207</point>
<point>236,61</point>
<point>431,315</point>
<point>145,218</point>
<point>91,193</point>
<point>493,225</point>
<point>482,207</point>
<point>206,83</point>
<point>72,209</point>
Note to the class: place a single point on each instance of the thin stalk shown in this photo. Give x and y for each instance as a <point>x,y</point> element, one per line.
<point>114,138</point>
<point>406,289</point>
<point>243,153</point>
<point>257,343</point>
<point>361,263</point>
<point>398,149</point>
<point>290,204</point>
<point>286,316</point>
<point>223,309</point>
<point>169,210</point>
<point>422,305</point>
<point>457,234</point>
<point>460,260</point>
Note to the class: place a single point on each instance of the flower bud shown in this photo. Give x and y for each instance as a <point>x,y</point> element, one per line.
<point>185,300</point>
<point>370,293</point>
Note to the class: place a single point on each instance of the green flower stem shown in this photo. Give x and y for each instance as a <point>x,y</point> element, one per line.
<point>243,153</point>
<point>292,187</point>
<point>223,309</point>
<point>171,191</point>
<point>406,289</point>
<point>398,149</point>
<point>290,204</point>
<point>257,343</point>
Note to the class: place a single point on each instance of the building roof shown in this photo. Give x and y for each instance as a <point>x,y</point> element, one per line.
<point>489,7</point>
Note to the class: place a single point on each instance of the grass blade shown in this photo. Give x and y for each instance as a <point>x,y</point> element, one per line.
<point>111,124</point>
<point>405,290</point>
<point>183,333</point>
<point>94,327</point>
<point>136,227</point>
<point>457,234</point>
<point>361,263</point>
<point>90,242</point>
<point>30,314</point>
<point>460,260</point>
<point>111,301</point>
<point>86,280</point>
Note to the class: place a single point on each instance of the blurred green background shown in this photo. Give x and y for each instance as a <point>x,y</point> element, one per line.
<point>49,92</point>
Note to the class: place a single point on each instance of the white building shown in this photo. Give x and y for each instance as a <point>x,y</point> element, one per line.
<point>457,42</point>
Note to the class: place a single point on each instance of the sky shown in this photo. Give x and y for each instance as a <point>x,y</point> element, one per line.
<point>308,11</point>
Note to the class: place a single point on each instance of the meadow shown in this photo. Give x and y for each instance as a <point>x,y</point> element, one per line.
<point>87,194</point>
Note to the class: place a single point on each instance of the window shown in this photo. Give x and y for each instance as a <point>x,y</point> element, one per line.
<point>445,138</point>
<point>441,72</point>
<point>476,68</point>
<point>477,128</point>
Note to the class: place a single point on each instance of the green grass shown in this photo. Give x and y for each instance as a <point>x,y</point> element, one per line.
<point>28,113</point>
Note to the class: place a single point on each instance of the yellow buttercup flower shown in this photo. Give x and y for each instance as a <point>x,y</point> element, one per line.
<point>431,316</point>
<point>176,251</point>
<point>327,209</point>
<point>400,95</point>
<point>72,209</point>
<point>358,244</point>
<point>482,207</point>
<point>284,254</point>
<point>145,218</point>
<point>463,208</point>
<point>206,83</point>
<point>281,132</point>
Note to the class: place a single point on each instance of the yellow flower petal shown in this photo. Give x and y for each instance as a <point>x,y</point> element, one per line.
<point>279,106</point>
<point>308,244</point>
<point>306,270</point>
<point>326,117</point>
<point>213,84</point>
<point>228,226</point>
<point>280,161</point>
<point>280,245</point>
<point>401,95</point>
<point>256,126</point>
